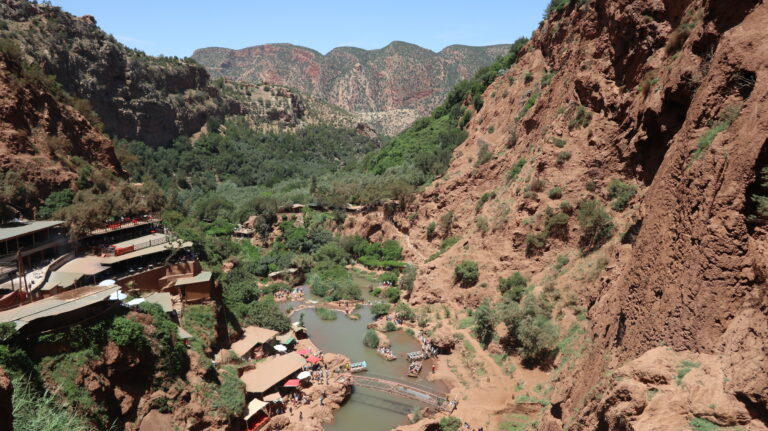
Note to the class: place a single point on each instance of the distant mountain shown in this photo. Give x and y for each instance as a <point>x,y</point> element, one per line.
<point>401,79</point>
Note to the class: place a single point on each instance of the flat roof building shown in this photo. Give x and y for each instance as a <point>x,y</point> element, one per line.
<point>271,372</point>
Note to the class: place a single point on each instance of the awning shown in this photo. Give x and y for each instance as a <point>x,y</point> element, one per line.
<point>293,383</point>
<point>273,397</point>
<point>254,406</point>
<point>313,359</point>
<point>286,340</point>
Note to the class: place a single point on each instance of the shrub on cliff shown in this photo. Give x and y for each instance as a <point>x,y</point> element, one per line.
<point>513,287</point>
<point>371,339</point>
<point>467,273</point>
<point>450,423</point>
<point>127,333</point>
<point>529,329</point>
<point>596,225</point>
<point>485,324</point>
<point>621,193</point>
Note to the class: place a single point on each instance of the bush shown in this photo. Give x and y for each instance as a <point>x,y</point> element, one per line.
<point>446,222</point>
<point>516,168</point>
<point>392,294</point>
<point>482,224</point>
<point>390,326</point>
<point>450,423</point>
<point>530,329</point>
<point>231,393</point>
<point>559,143</point>
<point>591,186</point>
<point>431,230</point>
<point>566,207</point>
<point>536,185</point>
<point>444,246</point>
<point>404,312</point>
<point>371,339</point>
<point>562,157</point>
<point>408,278</point>
<point>485,324</point>
<point>466,273</point>
<point>513,287</point>
<point>125,332</point>
<point>555,193</point>
<point>556,225</point>
<point>621,193</point>
<point>389,277</point>
<point>325,314</point>
<point>380,309</point>
<point>483,199</point>
<point>54,202</point>
<point>535,242</point>
<point>581,118</point>
<point>596,224</point>
<point>511,139</point>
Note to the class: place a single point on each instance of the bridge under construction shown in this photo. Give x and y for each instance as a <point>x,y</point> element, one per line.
<point>412,391</point>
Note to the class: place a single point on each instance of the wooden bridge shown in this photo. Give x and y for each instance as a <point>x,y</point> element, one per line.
<point>412,391</point>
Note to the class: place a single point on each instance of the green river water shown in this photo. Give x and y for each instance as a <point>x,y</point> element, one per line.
<point>367,409</point>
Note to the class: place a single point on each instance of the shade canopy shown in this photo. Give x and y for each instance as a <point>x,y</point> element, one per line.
<point>281,348</point>
<point>313,359</point>
<point>135,302</point>
<point>254,406</point>
<point>273,397</point>
<point>292,383</point>
<point>117,296</point>
<point>107,283</point>
<point>303,352</point>
<point>303,375</point>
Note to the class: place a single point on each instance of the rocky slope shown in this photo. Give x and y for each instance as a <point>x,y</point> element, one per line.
<point>43,140</point>
<point>152,99</point>
<point>6,406</point>
<point>392,86</point>
<point>666,98</point>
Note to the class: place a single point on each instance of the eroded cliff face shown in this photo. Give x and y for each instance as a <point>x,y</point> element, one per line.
<point>137,96</point>
<point>43,140</point>
<point>390,87</point>
<point>668,98</point>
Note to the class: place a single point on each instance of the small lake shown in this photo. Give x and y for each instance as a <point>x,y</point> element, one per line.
<point>366,409</point>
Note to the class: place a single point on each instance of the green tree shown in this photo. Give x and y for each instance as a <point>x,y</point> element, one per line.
<point>467,273</point>
<point>513,287</point>
<point>380,309</point>
<point>370,339</point>
<point>125,332</point>
<point>596,224</point>
<point>450,423</point>
<point>485,323</point>
<point>55,202</point>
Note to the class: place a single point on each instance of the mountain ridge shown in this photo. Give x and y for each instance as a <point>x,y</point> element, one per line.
<point>399,76</point>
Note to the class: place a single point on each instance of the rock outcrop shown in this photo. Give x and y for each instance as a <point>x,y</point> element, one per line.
<point>390,87</point>
<point>43,140</point>
<point>151,99</point>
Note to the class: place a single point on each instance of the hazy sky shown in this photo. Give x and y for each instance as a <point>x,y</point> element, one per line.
<point>178,27</point>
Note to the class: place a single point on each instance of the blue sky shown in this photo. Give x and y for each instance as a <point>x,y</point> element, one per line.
<point>178,27</point>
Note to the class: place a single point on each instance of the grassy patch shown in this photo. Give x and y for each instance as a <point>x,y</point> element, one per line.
<point>684,368</point>
<point>466,322</point>
<point>325,314</point>
<point>444,246</point>
<point>516,168</point>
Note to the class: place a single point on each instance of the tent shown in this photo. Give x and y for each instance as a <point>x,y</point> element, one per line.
<point>292,383</point>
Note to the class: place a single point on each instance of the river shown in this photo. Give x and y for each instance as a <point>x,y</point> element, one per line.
<point>367,409</point>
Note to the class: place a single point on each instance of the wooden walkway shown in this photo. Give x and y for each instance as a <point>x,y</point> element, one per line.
<point>405,390</point>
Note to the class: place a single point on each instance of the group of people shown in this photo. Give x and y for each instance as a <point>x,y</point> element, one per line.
<point>426,345</point>
<point>386,351</point>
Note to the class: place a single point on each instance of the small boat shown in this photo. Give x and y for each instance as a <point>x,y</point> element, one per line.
<point>386,354</point>
<point>416,356</point>
<point>414,369</point>
<point>357,367</point>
